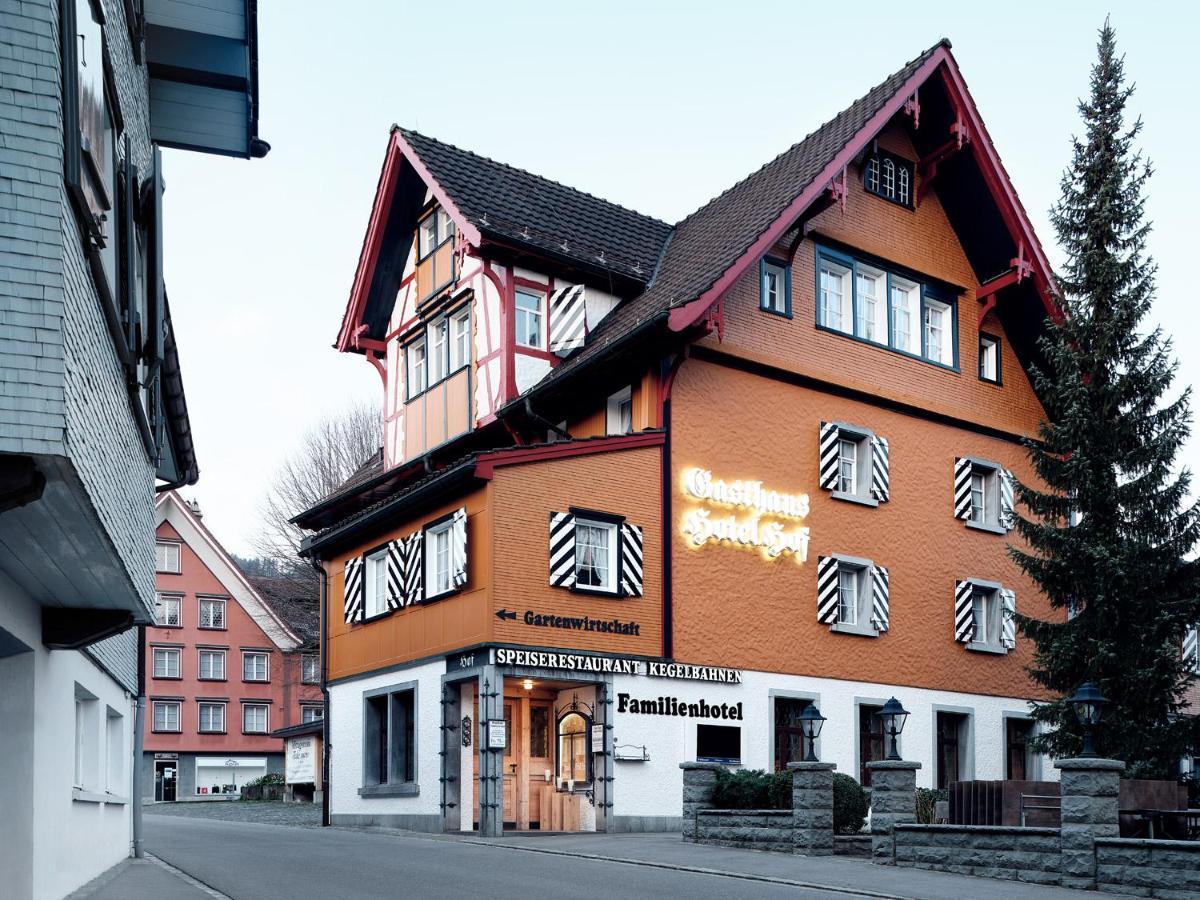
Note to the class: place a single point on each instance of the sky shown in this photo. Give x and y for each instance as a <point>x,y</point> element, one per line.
<point>657,106</point>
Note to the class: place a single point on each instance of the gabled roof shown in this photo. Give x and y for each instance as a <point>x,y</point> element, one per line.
<point>295,604</point>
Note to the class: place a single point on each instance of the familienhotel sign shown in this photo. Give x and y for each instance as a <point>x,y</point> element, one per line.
<point>744,514</point>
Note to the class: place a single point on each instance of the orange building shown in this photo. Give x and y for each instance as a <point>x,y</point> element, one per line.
<point>646,491</point>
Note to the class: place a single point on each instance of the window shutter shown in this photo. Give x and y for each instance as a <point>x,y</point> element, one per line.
<point>881,479</point>
<point>354,596</point>
<point>1191,649</point>
<point>1007,492</point>
<point>458,548</point>
<point>964,616</point>
<point>414,570</point>
<point>568,320</point>
<point>880,590</point>
<point>562,550</point>
<point>962,488</point>
<point>631,560</point>
<point>827,590</point>
<point>828,476</point>
<point>1008,601</point>
<point>395,574</point>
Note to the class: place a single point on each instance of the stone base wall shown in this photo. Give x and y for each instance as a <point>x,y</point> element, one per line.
<point>852,845</point>
<point>1166,869</point>
<point>993,851</point>
<point>755,829</point>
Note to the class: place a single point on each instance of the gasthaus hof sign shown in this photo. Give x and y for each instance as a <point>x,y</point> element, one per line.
<point>746,514</point>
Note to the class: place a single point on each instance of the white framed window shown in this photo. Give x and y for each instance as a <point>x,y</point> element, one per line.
<point>848,465</point>
<point>254,718</point>
<point>254,666</point>
<point>310,669</point>
<point>427,235</point>
<point>852,595</point>
<point>937,332</point>
<point>989,358</point>
<point>168,611</point>
<point>445,226</point>
<point>887,185</point>
<point>415,355</point>
<point>166,715</point>
<point>848,585</point>
<point>114,745</point>
<point>211,665</point>
<point>619,412</point>
<point>871,324</point>
<point>903,186</point>
<point>311,714</point>
<point>871,176</point>
<point>596,555</point>
<point>854,462</point>
<point>212,717</point>
<point>166,662</point>
<point>983,494</point>
<point>212,613</point>
<point>836,297</point>
<point>376,583</point>
<point>166,557</point>
<point>980,508</point>
<point>439,351</point>
<point>774,282</point>
<point>905,303</point>
<point>985,603</point>
<point>460,339</point>
<point>529,320</point>
<point>439,561</point>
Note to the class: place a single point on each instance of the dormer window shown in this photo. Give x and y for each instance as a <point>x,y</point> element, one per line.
<point>529,320</point>
<point>433,231</point>
<point>890,177</point>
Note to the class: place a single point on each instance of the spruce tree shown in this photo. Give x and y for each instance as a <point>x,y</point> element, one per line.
<point>1106,460</point>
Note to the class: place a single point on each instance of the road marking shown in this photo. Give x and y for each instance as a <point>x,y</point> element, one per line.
<point>184,876</point>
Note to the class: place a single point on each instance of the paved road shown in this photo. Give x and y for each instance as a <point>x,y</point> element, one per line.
<point>268,812</point>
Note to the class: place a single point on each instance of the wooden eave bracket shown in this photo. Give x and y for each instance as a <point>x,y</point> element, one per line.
<point>714,320</point>
<point>1020,269</point>
<point>960,136</point>
<point>838,190</point>
<point>912,107</point>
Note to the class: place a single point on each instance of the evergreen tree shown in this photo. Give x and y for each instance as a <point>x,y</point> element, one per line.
<point>1107,456</point>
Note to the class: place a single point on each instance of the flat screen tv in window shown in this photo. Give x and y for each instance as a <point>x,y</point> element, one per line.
<point>719,743</point>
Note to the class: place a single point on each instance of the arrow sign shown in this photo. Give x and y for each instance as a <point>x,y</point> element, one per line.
<point>506,614</point>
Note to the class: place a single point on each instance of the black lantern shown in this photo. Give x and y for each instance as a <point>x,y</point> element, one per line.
<point>811,721</point>
<point>1089,704</point>
<point>894,716</point>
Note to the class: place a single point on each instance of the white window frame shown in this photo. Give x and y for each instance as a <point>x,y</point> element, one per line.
<point>166,706</point>
<point>989,474</point>
<point>618,417</point>
<point>874,327</point>
<point>944,354</point>
<point>772,288</point>
<point>307,659</point>
<point>439,580</point>
<point>460,339</point>
<point>535,317</point>
<point>609,585</point>
<point>849,584</point>
<point>247,656</point>
<point>904,297</point>
<point>979,495</point>
<point>983,608</point>
<point>843,297</point>
<point>266,717</point>
<point>311,713</point>
<point>216,654</point>
<point>855,574</point>
<point>161,617</point>
<point>162,548</point>
<point>861,438</point>
<point>211,704</point>
<point>415,359</point>
<point>847,442</point>
<point>204,603</point>
<point>437,340</point>
<point>428,238</point>
<point>989,358</point>
<point>375,584</point>
<point>166,654</point>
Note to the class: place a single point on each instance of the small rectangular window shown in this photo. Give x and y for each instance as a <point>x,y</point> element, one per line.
<point>775,288</point>
<point>904,305</point>
<point>254,667</point>
<point>167,611</point>
<point>114,745</point>
<point>310,668</point>
<point>460,340</point>
<point>427,236</point>
<point>212,665</point>
<point>979,497</point>
<point>376,583</point>
<point>212,613</point>
<point>438,559</point>
<point>439,352</point>
<point>848,466</point>
<point>890,177</point>
<point>166,557</point>
<point>836,300</point>
<point>166,716</point>
<point>719,743</point>
<point>619,412</point>
<point>389,737</point>
<point>166,663</point>
<point>415,352</point>
<point>847,595</point>
<point>871,324</point>
<point>311,714</point>
<point>989,358</point>
<point>212,717</point>
<point>254,718</point>
<point>529,320</point>
<point>937,332</point>
<point>595,555</point>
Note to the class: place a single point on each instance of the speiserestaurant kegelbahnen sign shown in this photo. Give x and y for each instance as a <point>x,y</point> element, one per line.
<point>744,513</point>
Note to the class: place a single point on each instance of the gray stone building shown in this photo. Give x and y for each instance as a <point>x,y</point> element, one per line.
<point>93,418</point>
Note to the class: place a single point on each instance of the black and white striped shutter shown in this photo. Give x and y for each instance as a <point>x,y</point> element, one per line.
<point>962,488</point>
<point>1008,628</point>
<point>568,319</point>
<point>1191,648</point>
<point>964,614</point>
<point>458,548</point>
<point>881,478</point>
<point>562,550</point>
<point>395,574</point>
<point>827,590</point>
<point>414,569</point>
<point>354,591</point>
<point>631,560</point>
<point>880,599</point>
<point>1007,503</point>
<point>828,473</point>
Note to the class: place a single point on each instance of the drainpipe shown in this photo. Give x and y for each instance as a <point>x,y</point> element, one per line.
<point>139,743</point>
<point>543,421</point>
<point>325,748</point>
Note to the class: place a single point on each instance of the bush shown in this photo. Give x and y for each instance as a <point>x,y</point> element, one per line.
<point>269,778</point>
<point>850,804</point>
<point>752,789</point>
<point>927,804</point>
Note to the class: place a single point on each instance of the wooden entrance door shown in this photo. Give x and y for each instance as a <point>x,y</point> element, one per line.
<point>512,756</point>
<point>540,759</point>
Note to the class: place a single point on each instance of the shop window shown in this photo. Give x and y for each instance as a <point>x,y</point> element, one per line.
<point>168,613</point>
<point>619,412</point>
<point>212,665</point>
<point>775,287</point>
<point>212,613</point>
<point>166,662</point>
<point>166,716</point>
<point>870,740</point>
<point>1018,765</point>
<point>212,718</point>
<point>529,320</point>
<point>719,743</point>
<point>254,718</point>
<point>254,667</point>
<point>595,554</point>
<point>789,737</point>
<point>310,668</point>
<point>574,760</point>
<point>166,557</point>
<point>952,748</point>
<point>389,747</point>
<point>989,358</point>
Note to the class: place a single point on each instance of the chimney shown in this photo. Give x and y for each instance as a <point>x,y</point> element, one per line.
<point>194,506</point>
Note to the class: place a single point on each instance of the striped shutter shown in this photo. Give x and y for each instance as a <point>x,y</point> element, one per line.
<point>568,320</point>
<point>1191,649</point>
<point>1008,628</point>
<point>962,488</point>
<point>881,479</point>
<point>631,560</point>
<point>964,616</point>
<point>562,550</point>
<point>354,592</point>
<point>880,591</point>
<point>1007,504</point>
<point>458,548</point>
<point>827,590</point>
<point>395,574</point>
<point>828,476</point>
<point>414,569</point>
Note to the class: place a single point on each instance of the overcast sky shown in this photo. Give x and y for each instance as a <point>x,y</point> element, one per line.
<point>657,106</point>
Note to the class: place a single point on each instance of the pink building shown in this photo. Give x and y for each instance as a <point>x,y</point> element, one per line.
<point>225,665</point>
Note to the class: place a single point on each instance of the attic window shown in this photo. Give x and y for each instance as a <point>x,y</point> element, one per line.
<point>890,177</point>
<point>433,231</point>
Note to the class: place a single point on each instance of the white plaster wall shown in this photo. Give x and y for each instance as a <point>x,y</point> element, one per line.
<point>530,370</point>
<point>597,304</point>
<point>488,338</point>
<point>654,788</point>
<point>346,737</point>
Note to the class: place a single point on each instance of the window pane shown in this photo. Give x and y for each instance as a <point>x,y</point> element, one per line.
<point>904,316</point>
<point>848,467</point>
<point>937,332</point>
<point>460,337</point>
<point>592,543</point>
<point>438,350</point>
<point>988,359</point>
<point>872,319</point>
<point>978,497</point>
<point>835,298</point>
<point>847,596</point>
<point>427,236</point>
<point>572,748</point>
<point>979,611</point>
<point>529,320</point>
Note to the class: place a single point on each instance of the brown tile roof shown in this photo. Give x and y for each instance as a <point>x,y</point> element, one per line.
<point>295,601</point>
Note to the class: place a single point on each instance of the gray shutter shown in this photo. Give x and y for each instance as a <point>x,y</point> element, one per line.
<point>964,616</point>
<point>1008,628</point>
<point>414,569</point>
<point>568,320</point>
<point>1191,649</point>
<point>1007,507</point>
<point>354,596</point>
<point>631,560</point>
<point>827,590</point>
<point>881,479</point>
<point>562,550</point>
<point>880,590</point>
<point>458,548</point>
<point>395,574</point>
<point>962,488</point>
<point>828,474</point>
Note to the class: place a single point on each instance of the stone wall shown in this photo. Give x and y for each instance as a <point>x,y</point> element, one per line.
<point>993,851</point>
<point>1165,869</point>
<point>753,829</point>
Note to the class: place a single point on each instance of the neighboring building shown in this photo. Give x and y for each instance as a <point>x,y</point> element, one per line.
<point>92,407</point>
<point>648,490</point>
<point>225,667</point>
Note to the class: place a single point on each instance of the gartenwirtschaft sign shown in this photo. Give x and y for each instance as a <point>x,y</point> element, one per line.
<point>706,523</point>
<point>614,665</point>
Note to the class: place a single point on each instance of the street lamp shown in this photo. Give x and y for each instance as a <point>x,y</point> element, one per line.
<point>1089,704</point>
<point>894,716</point>
<point>811,721</point>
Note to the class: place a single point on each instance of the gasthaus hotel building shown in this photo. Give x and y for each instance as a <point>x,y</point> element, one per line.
<point>646,490</point>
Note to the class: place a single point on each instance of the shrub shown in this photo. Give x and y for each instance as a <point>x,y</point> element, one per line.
<point>850,804</point>
<point>269,778</point>
<point>927,804</point>
<point>752,789</point>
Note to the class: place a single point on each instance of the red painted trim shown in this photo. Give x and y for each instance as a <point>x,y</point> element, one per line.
<point>487,463</point>
<point>380,367</point>
<point>546,355</point>
<point>464,228</point>
<point>542,286</point>
<point>508,328</point>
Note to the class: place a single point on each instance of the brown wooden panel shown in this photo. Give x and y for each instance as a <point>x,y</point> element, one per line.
<point>458,403</point>
<point>435,415</point>
<point>414,428</point>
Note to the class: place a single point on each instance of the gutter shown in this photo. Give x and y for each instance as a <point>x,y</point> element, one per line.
<point>139,745</point>
<point>324,594</point>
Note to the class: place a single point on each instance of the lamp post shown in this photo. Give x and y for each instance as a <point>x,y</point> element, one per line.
<point>1089,704</point>
<point>811,721</point>
<point>894,716</point>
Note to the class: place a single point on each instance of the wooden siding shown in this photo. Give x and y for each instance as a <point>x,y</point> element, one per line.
<point>435,271</point>
<point>223,18</point>
<point>191,116</point>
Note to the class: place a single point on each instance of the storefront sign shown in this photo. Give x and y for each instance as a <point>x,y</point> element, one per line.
<point>597,738</point>
<point>300,767</point>
<point>166,756</point>
<point>676,706</point>
<point>694,673</point>
<point>711,521</point>
<point>616,665</point>
<point>572,623</point>
<point>497,734</point>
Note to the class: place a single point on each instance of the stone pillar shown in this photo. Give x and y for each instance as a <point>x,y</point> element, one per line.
<point>812,808</point>
<point>491,762</point>
<point>893,802</point>
<point>698,781</point>
<point>1090,789</point>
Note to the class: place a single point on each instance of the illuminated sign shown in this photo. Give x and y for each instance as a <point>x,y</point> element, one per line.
<point>746,514</point>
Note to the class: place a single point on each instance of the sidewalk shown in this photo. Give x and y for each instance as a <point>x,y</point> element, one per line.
<point>144,879</point>
<point>852,876</point>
